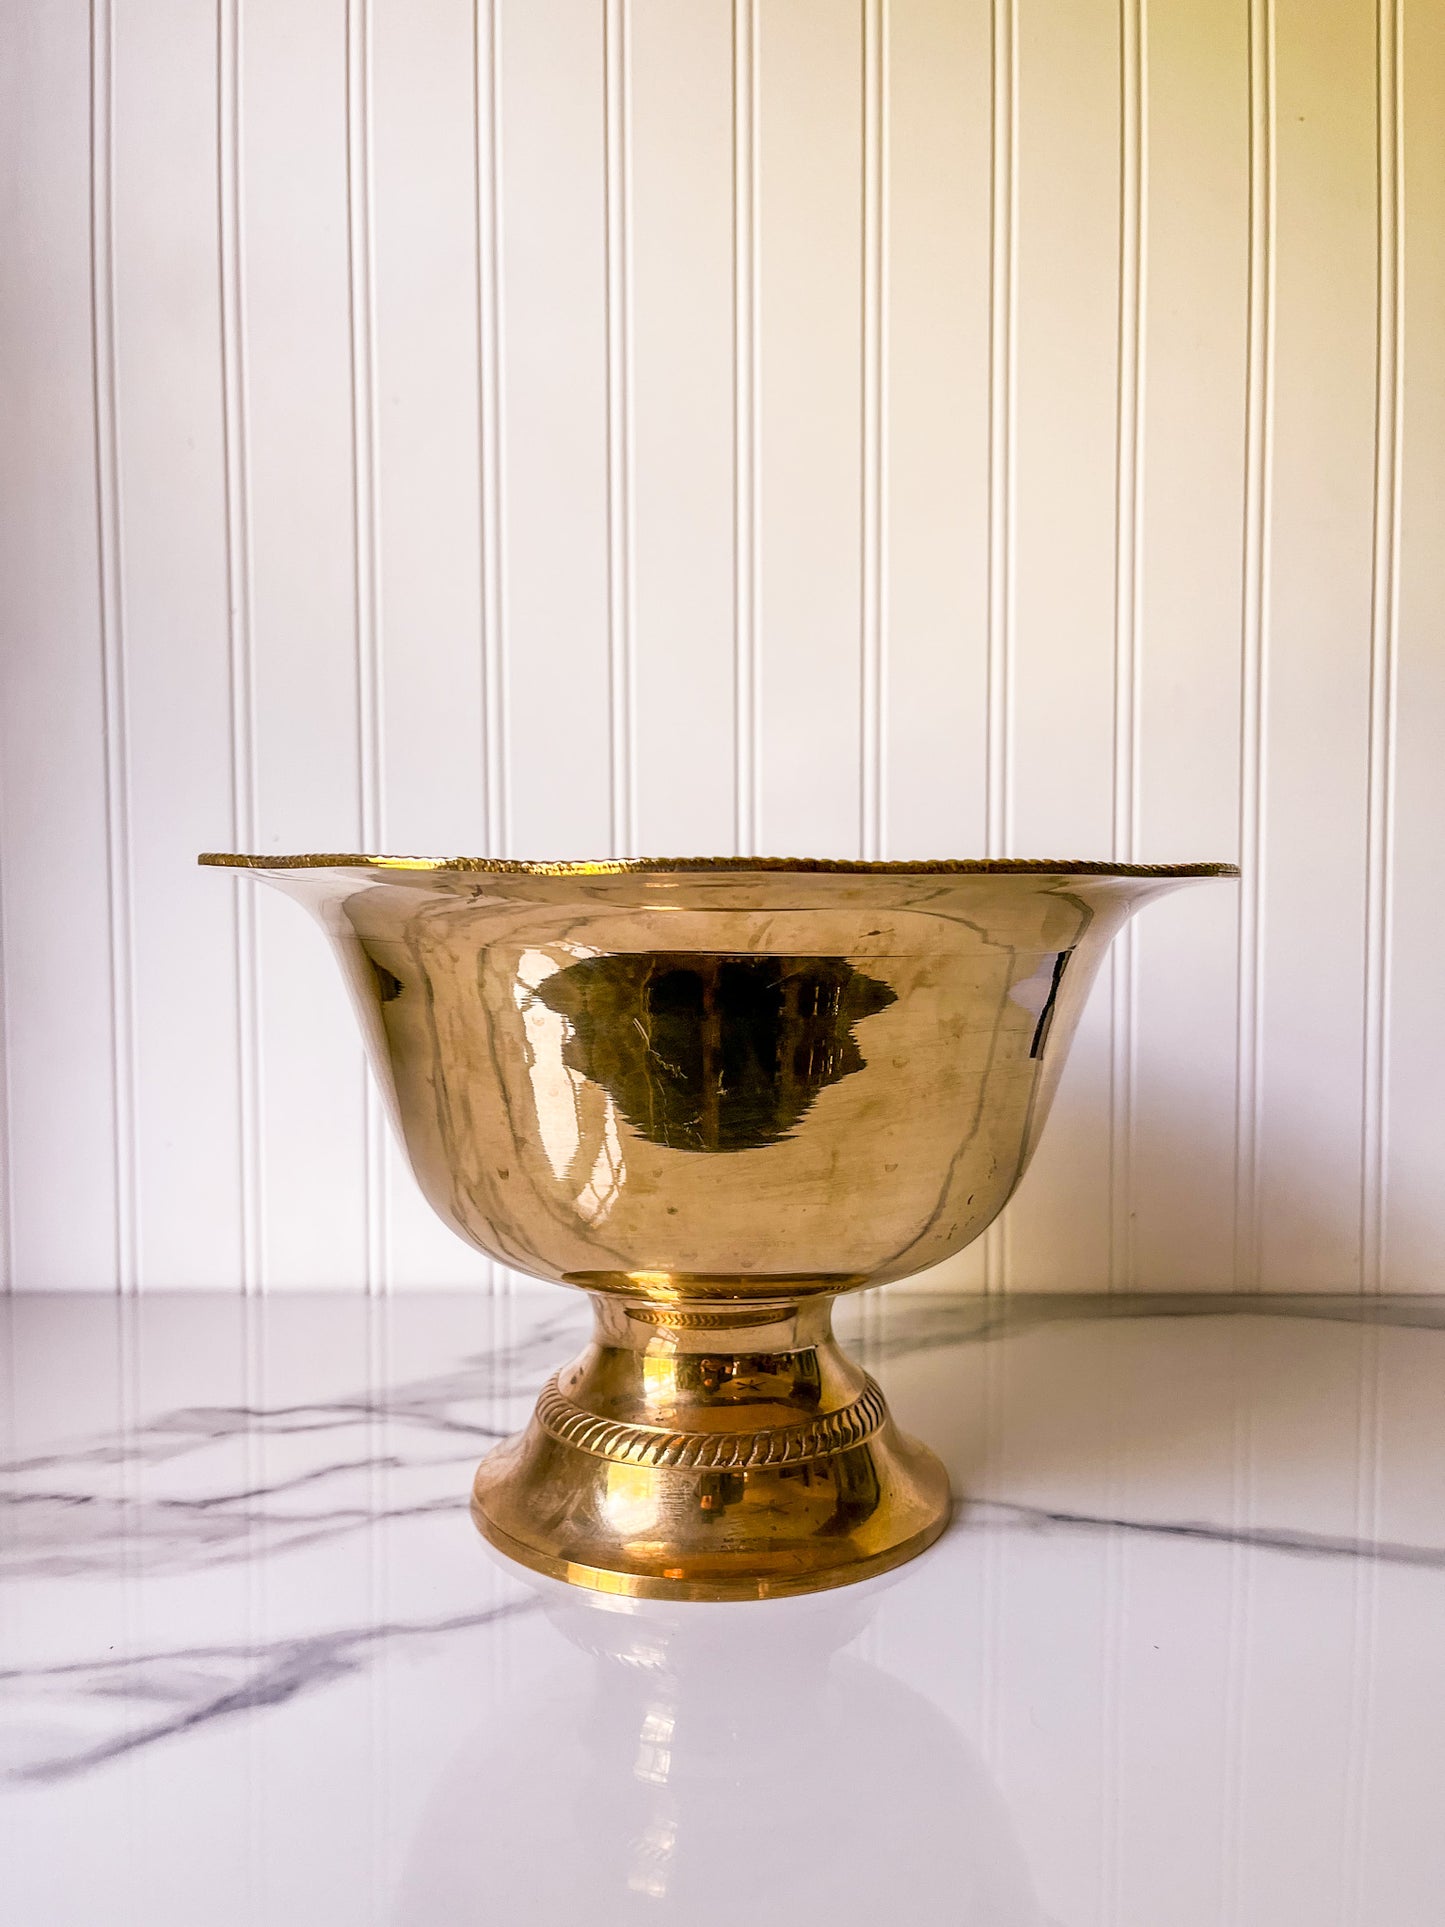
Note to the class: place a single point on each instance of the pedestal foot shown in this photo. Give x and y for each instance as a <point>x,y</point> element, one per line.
<point>727,1452</point>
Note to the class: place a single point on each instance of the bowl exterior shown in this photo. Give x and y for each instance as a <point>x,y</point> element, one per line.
<point>718,1083</point>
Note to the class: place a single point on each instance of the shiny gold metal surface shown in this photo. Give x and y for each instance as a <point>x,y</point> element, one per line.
<point>715,1094</point>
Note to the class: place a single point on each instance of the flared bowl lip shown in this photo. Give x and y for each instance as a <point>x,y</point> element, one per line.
<point>662,865</point>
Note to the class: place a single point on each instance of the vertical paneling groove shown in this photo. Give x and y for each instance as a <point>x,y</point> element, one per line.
<point>621,627</point>
<point>745,423</point>
<point>1127,549</point>
<point>1002,411</point>
<point>7,1141</point>
<point>872,196</point>
<point>494,648</point>
<point>873,735</point>
<point>112,641</point>
<point>1384,650</point>
<point>240,654</point>
<point>486,114</point>
<point>361,308</point>
<point>1133,151</point>
<point>1003,338</point>
<point>681,423</point>
<point>7,1161</point>
<point>1254,665</point>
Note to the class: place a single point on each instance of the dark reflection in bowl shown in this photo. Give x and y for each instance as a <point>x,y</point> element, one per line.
<point>704,1052</point>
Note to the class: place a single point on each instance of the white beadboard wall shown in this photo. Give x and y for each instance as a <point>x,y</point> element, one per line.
<point>550,427</point>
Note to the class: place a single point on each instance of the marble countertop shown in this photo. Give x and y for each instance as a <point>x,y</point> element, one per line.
<point>1178,1660</point>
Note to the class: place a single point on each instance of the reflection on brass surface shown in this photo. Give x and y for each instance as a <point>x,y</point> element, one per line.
<point>705,1053</point>
<point>714,1096</point>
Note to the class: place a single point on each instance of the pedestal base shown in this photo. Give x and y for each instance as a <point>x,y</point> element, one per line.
<point>718,1452</point>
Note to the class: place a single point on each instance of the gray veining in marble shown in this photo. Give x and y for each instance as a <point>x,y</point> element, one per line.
<point>1154,1495</point>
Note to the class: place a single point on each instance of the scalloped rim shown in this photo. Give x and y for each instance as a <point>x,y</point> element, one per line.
<point>653,865</point>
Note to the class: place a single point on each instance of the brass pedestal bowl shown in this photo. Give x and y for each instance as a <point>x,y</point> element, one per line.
<point>715,1095</point>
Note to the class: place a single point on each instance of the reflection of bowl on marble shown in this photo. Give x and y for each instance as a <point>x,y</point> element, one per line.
<point>697,1766</point>
<point>716,1094</point>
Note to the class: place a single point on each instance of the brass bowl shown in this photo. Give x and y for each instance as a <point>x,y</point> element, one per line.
<point>714,1094</point>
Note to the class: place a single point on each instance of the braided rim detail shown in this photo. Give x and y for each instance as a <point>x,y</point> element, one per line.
<point>666,1318</point>
<point>660,865</point>
<point>819,1438</point>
